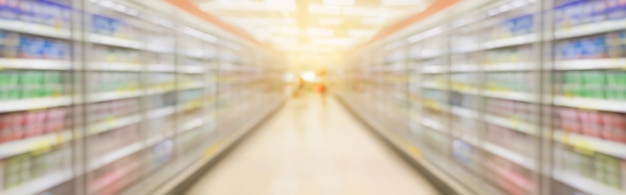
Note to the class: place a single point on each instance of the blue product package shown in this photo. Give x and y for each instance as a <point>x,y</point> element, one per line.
<point>26,11</point>
<point>58,13</point>
<point>616,9</point>
<point>599,11</point>
<point>585,9</point>
<point>31,47</point>
<point>47,13</point>
<point>562,50</point>
<point>9,9</point>
<point>594,47</point>
<point>116,27</point>
<point>573,49</point>
<point>57,49</point>
<point>41,11</point>
<point>525,24</point>
<point>579,15</point>
<point>100,24</point>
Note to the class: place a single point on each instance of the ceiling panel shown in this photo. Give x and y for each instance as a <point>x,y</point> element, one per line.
<point>312,26</point>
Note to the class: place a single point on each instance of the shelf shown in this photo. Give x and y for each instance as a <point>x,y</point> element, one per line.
<point>114,41</point>
<point>35,29</point>
<point>35,64</point>
<point>160,48</point>
<point>431,54</point>
<point>113,123</point>
<point>156,139</point>
<point>467,49</point>
<point>465,68</point>
<point>590,64</point>
<point>34,104</point>
<point>192,69</point>
<point>433,85</point>
<point>117,95</point>
<point>194,54</point>
<point>191,125</point>
<point>593,104</point>
<point>510,155</point>
<point>471,140</point>
<point>161,112</point>
<point>433,69</point>
<point>510,67</point>
<point>510,95</point>
<point>513,41</point>
<point>590,29</point>
<point>164,88</point>
<point>41,184</point>
<point>160,68</point>
<point>591,143</point>
<point>191,85</point>
<point>114,66</point>
<point>432,124</point>
<point>513,124</point>
<point>588,186</point>
<point>41,142</point>
<point>464,112</point>
<point>466,90</point>
<point>118,154</point>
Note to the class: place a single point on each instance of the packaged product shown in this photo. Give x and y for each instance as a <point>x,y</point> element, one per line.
<point>623,172</point>
<point>591,122</point>
<point>616,9</point>
<point>27,11</point>
<point>34,123</point>
<point>55,120</point>
<point>31,47</point>
<point>9,9</point>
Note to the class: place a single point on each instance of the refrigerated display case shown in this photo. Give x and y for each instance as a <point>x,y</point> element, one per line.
<point>509,97</point>
<point>112,97</point>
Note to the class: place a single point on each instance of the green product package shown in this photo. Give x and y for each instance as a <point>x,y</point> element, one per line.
<point>5,87</point>
<point>30,84</point>
<point>572,77</point>
<point>31,77</point>
<point>586,166</point>
<point>53,77</point>
<point>594,91</point>
<point>613,78</point>
<point>594,78</point>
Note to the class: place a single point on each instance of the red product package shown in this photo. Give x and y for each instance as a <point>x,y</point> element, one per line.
<point>591,123</point>
<point>615,127</point>
<point>569,120</point>
<point>56,120</point>
<point>34,123</point>
<point>11,127</point>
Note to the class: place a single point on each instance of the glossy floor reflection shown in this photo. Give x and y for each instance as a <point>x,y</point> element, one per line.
<point>314,148</point>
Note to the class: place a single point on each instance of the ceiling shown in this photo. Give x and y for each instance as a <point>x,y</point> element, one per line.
<point>312,31</point>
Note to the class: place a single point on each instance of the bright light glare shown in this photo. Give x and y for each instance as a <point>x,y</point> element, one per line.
<point>330,21</point>
<point>319,32</point>
<point>339,2</point>
<point>289,77</point>
<point>400,2</point>
<point>308,76</point>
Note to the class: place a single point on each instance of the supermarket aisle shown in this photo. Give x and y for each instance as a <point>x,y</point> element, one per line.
<point>308,148</point>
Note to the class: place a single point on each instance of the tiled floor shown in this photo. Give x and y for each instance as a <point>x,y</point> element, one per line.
<point>312,148</point>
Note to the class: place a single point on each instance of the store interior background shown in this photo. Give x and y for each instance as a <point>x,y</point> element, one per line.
<point>486,96</point>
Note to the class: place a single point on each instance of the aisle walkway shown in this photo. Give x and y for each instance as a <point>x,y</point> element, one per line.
<point>311,149</point>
